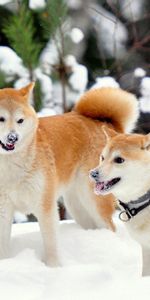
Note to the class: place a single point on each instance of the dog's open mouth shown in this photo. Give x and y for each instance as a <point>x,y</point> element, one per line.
<point>8,146</point>
<point>105,186</point>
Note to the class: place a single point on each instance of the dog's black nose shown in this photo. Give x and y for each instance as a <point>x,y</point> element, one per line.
<point>94,174</point>
<point>12,137</point>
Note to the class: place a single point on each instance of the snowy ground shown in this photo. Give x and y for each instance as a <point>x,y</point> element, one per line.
<point>97,264</point>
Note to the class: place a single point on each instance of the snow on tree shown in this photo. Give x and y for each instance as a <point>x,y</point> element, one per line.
<point>30,59</point>
<point>68,46</point>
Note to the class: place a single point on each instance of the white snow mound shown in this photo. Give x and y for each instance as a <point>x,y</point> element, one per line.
<point>96,264</point>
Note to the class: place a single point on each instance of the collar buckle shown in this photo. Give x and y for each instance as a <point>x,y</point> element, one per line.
<point>132,208</point>
<point>124,216</point>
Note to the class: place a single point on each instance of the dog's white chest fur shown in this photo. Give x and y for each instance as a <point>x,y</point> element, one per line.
<point>19,186</point>
<point>139,227</point>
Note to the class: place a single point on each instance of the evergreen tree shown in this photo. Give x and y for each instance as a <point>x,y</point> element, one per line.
<point>20,31</point>
<point>2,80</point>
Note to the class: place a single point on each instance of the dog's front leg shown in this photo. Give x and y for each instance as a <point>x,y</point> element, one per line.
<point>106,207</point>
<point>6,217</point>
<point>146,261</point>
<point>48,222</point>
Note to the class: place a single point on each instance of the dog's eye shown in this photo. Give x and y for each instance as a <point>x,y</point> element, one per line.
<point>119,160</point>
<point>20,121</point>
<point>2,119</point>
<point>102,157</point>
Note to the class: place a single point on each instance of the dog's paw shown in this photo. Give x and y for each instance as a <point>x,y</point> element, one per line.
<point>52,262</point>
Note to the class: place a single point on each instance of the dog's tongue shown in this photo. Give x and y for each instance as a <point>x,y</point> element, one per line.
<point>100,186</point>
<point>10,146</point>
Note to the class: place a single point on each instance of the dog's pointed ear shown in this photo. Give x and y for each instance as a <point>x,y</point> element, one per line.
<point>146,142</point>
<point>27,91</point>
<point>108,132</point>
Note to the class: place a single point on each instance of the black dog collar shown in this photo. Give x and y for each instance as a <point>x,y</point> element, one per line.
<point>132,208</point>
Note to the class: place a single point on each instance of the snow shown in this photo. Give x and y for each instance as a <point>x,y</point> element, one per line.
<point>71,97</point>
<point>37,4</point>
<point>76,35</point>
<point>79,76</point>
<point>11,64</point>
<point>45,112</point>
<point>145,92</point>
<point>46,85</point>
<point>139,72</point>
<point>106,81</point>
<point>21,82</point>
<point>111,33</point>
<point>132,10</point>
<point>96,264</point>
<point>19,217</point>
<point>2,2</point>
<point>49,57</point>
<point>33,4</point>
<point>74,4</point>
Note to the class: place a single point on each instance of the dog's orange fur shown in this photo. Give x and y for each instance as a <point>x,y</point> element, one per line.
<point>118,112</point>
<point>73,147</point>
<point>63,146</point>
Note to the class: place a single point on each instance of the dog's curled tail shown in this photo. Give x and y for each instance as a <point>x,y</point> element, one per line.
<point>112,105</point>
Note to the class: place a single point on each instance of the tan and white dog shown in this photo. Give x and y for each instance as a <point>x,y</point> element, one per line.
<point>124,171</point>
<point>43,159</point>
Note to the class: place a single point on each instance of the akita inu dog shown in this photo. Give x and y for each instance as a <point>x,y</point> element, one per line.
<point>124,171</point>
<point>43,159</point>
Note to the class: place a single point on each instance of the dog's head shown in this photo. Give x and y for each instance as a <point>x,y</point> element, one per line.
<point>18,121</point>
<point>124,167</point>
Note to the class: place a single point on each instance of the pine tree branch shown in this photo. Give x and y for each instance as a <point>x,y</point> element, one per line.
<point>20,32</point>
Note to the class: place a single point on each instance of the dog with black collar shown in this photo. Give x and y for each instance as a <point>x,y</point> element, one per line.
<point>124,171</point>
